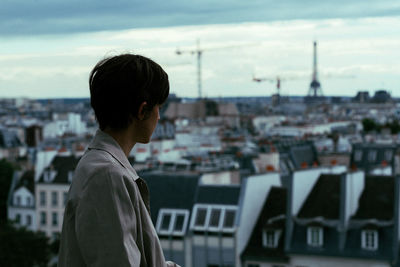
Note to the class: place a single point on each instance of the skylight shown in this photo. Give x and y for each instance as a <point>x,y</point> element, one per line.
<point>213,218</point>
<point>172,221</point>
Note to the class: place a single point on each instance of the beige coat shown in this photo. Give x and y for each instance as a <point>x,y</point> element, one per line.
<point>106,219</point>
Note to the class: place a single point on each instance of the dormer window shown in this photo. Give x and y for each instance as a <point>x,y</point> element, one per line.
<point>172,221</point>
<point>369,239</point>
<point>28,201</point>
<point>17,200</point>
<point>49,175</point>
<point>270,238</point>
<point>315,236</point>
<point>213,218</point>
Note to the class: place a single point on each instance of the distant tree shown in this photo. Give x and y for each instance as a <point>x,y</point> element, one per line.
<point>369,125</point>
<point>23,248</point>
<point>394,127</point>
<point>6,174</point>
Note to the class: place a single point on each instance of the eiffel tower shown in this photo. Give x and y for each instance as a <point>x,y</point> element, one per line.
<point>315,91</point>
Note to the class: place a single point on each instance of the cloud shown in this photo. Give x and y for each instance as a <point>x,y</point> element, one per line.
<point>352,54</point>
<point>32,17</point>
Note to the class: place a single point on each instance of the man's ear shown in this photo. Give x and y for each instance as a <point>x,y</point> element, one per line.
<point>142,111</point>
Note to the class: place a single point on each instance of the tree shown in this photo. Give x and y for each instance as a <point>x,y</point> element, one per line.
<point>394,127</point>
<point>23,248</point>
<point>369,125</point>
<point>6,174</point>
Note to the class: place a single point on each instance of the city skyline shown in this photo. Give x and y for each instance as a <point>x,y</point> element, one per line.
<point>357,48</point>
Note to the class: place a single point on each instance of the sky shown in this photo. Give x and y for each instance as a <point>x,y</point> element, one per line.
<point>48,47</point>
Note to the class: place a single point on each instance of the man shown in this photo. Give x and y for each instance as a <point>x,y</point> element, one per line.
<point>107,217</point>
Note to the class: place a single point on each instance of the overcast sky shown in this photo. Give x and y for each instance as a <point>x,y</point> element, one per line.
<point>47,47</point>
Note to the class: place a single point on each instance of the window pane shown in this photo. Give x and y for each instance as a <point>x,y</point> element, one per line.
<point>28,219</point>
<point>229,218</point>
<point>214,219</point>
<point>358,155</point>
<point>372,156</point>
<point>166,219</point>
<point>54,219</point>
<point>270,236</point>
<point>42,198</point>
<point>200,217</point>
<point>388,155</point>
<point>54,201</point>
<point>43,218</point>
<point>179,223</point>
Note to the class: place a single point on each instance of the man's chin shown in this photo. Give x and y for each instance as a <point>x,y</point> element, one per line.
<point>144,141</point>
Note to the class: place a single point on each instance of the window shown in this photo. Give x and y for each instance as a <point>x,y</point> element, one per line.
<point>369,239</point>
<point>54,217</point>
<point>48,176</point>
<point>270,238</point>
<point>165,222</point>
<point>28,201</point>
<point>172,221</point>
<point>42,198</point>
<point>200,218</point>
<point>358,155</point>
<point>18,200</point>
<point>213,218</point>
<point>315,236</point>
<point>388,155</point>
<point>229,219</point>
<point>372,156</point>
<point>54,200</point>
<point>28,220</point>
<point>43,218</point>
<point>180,222</point>
<point>65,196</point>
<point>18,218</point>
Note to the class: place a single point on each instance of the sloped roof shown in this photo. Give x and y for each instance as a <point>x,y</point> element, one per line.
<point>62,165</point>
<point>274,205</point>
<point>324,199</point>
<point>220,195</point>
<point>170,190</point>
<point>27,180</point>
<point>377,199</point>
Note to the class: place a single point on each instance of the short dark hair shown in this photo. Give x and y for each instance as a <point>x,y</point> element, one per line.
<point>119,84</point>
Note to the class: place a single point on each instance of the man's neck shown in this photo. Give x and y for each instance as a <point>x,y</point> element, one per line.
<point>123,138</point>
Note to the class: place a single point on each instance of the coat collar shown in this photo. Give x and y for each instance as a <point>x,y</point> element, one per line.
<point>103,141</point>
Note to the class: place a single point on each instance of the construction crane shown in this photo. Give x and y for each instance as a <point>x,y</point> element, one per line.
<point>199,52</point>
<point>278,81</point>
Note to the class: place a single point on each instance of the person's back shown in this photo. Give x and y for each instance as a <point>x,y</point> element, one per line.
<point>107,218</point>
